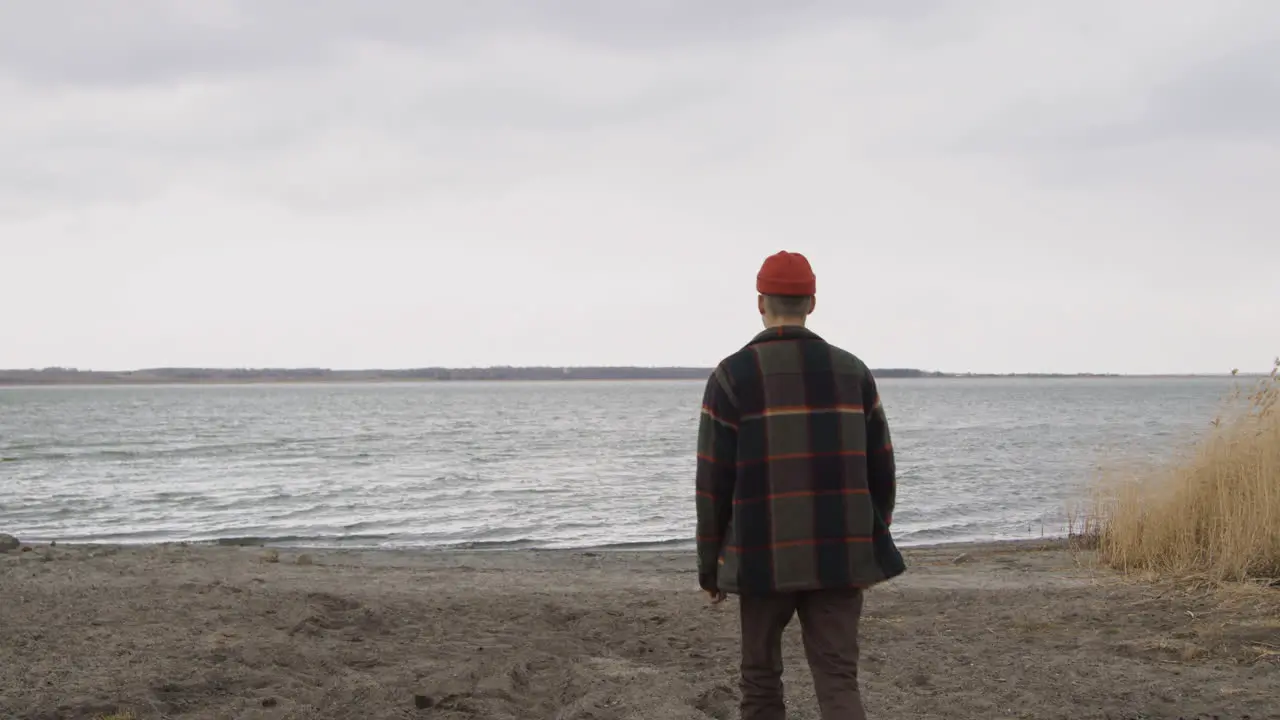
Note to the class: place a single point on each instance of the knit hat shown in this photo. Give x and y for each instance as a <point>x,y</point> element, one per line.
<point>786,273</point>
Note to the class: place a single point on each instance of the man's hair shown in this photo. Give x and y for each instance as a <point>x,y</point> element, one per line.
<point>788,305</point>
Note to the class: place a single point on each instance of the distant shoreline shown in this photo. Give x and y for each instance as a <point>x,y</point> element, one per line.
<point>197,376</point>
<point>254,376</point>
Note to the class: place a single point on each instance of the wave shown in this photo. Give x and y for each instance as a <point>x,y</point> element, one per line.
<point>961,532</point>
<point>308,540</point>
<point>394,542</point>
<point>318,446</point>
<point>668,544</point>
<point>547,544</point>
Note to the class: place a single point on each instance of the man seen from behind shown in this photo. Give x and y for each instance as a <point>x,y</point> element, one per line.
<point>795,496</point>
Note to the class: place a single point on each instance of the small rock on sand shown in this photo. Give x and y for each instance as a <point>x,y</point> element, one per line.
<point>8,543</point>
<point>271,556</point>
<point>305,560</point>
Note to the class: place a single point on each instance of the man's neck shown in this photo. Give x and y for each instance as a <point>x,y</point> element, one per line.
<point>771,323</point>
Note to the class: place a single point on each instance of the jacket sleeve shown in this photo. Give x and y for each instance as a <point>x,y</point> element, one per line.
<point>716,474</point>
<point>881,470</point>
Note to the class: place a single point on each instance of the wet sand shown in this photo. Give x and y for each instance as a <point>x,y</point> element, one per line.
<point>986,631</point>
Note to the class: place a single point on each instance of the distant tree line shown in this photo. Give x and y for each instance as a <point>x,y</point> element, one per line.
<point>72,376</point>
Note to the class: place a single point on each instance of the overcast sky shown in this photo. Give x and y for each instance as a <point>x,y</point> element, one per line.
<point>1065,185</point>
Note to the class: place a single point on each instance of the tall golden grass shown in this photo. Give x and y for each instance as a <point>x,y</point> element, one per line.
<point>1213,513</point>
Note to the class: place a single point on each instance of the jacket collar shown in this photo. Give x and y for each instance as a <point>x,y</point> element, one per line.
<point>784,332</point>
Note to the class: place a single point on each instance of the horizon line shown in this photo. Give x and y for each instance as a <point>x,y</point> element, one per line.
<point>430,372</point>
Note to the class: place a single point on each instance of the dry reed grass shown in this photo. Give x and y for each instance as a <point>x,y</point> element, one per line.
<point>1212,514</point>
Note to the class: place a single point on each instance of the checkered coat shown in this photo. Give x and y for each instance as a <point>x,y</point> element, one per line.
<point>795,479</point>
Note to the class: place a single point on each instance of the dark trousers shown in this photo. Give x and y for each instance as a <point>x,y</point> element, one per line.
<point>829,621</point>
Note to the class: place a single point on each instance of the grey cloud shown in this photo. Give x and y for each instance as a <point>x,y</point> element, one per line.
<point>1237,95</point>
<point>147,41</point>
<point>1233,97</point>
<point>66,41</point>
<point>480,136</point>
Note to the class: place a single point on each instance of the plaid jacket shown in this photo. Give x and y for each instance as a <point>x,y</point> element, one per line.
<point>795,479</point>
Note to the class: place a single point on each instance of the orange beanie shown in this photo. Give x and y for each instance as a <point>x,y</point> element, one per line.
<point>786,273</point>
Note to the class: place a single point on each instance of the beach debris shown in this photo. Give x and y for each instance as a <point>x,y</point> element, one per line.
<point>961,559</point>
<point>423,702</point>
<point>305,559</point>
<point>269,702</point>
<point>8,543</point>
<point>271,556</point>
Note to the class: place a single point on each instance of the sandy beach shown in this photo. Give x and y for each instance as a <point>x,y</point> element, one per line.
<point>984,631</point>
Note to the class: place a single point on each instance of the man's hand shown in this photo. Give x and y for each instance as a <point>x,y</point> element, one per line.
<point>707,581</point>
